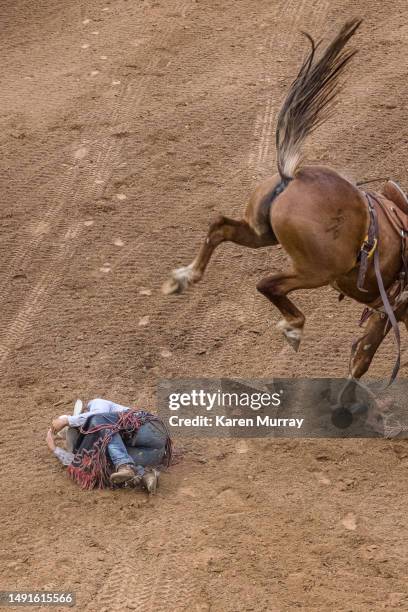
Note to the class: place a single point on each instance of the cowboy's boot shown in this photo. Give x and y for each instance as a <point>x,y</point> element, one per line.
<point>124,473</point>
<point>150,480</point>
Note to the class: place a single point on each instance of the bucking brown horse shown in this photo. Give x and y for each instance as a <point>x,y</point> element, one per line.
<point>333,232</point>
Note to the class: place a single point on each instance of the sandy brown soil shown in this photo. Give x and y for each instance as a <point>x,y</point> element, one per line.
<point>124,126</point>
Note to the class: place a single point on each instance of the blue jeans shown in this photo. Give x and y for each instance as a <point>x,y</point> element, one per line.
<point>148,445</point>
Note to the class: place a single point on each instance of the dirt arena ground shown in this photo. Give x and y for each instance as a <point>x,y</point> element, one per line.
<point>124,127</point>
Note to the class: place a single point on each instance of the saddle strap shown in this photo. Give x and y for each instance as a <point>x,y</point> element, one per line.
<point>369,246</point>
<point>383,293</point>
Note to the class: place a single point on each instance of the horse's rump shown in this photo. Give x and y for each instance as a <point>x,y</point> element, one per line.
<point>321,217</point>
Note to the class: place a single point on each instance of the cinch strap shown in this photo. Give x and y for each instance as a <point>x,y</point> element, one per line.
<point>384,296</point>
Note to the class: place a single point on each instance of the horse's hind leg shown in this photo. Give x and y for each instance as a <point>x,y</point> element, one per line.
<point>276,286</point>
<point>222,229</point>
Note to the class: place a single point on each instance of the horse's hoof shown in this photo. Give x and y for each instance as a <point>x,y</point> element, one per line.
<point>293,335</point>
<point>180,279</point>
<point>293,342</point>
<point>170,286</point>
<point>342,418</point>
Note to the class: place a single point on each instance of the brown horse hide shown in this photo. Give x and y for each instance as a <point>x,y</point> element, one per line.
<point>321,220</point>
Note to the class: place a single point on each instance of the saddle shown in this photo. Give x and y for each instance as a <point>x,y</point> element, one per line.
<point>393,192</point>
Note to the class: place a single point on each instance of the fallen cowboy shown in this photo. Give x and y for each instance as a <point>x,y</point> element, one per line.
<point>111,445</point>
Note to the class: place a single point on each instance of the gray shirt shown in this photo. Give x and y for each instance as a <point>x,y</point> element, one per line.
<point>64,456</point>
<point>95,406</point>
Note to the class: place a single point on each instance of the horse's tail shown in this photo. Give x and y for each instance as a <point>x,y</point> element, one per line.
<point>310,99</point>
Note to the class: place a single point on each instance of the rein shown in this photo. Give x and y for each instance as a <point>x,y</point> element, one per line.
<point>370,248</point>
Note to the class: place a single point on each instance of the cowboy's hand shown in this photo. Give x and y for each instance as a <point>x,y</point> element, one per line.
<point>59,423</point>
<point>50,440</point>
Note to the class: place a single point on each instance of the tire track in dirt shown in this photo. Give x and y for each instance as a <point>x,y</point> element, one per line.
<point>312,16</point>
<point>276,47</point>
<point>166,583</point>
<point>90,185</point>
